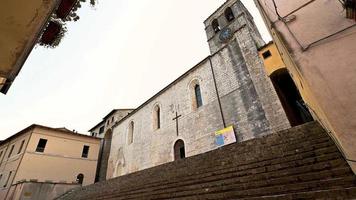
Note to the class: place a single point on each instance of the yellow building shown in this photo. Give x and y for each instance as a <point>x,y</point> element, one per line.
<point>287,91</point>
<point>50,159</point>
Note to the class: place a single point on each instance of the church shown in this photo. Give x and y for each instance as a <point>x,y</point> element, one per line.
<point>228,91</point>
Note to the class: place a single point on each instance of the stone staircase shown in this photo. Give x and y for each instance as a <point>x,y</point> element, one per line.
<point>299,163</point>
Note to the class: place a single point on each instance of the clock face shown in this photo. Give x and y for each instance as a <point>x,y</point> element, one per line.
<point>225,34</point>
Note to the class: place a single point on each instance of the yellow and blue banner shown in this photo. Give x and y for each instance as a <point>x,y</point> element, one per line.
<point>225,136</point>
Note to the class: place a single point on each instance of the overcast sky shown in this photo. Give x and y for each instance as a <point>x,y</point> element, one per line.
<point>116,56</point>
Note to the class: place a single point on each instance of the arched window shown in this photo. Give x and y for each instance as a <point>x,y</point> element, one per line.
<point>130,132</point>
<point>80,178</point>
<point>179,150</point>
<point>229,15</point>
<point>198,98</point>
<point>216,26</point>
<point>157,117</point>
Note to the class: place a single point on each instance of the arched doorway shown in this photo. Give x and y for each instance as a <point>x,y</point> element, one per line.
<point>179,150</point>
<point>80,178</point>
<point>290,98</point>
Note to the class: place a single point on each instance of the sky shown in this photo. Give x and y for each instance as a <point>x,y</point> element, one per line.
<point>118,55</point>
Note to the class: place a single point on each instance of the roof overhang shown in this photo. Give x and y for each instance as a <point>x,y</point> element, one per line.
<point>21,23</point>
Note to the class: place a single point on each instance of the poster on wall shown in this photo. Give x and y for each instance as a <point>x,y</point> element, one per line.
<point>225,136</point>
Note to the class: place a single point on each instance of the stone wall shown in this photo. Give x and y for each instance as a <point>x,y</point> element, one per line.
<point>248,103</point>
<point>39,190</point>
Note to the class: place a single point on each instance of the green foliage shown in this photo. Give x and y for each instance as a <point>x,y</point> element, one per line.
<point>72,16</point>
<point>60,36</point>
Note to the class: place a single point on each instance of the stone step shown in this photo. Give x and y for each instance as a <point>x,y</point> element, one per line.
<point>294,160</point>
<point>225,165</point>
<point>299,163</point>
<point>263,172</point>
<point>290,150</point>
<point>344,193</point>
<point>229,193</point>
<point>246,181</point>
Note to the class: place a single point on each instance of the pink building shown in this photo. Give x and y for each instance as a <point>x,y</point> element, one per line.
<point>317,42</point>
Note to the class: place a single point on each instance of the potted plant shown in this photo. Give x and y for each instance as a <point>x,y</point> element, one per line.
<point>64,8</point>
<point>56,27</point>
<point>53,33</point>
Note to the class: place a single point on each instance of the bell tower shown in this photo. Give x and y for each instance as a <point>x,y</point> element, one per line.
<point>226,21</point>
<point>234,41</point>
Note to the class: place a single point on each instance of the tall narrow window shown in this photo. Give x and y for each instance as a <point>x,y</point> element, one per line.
<point>11,150</point>
<point>229,15</point>
<point>216,26</point>
<point>157,117</point>
<point>41,145</point>
<point>21,146</point>
<point>85,151</point>
<point>8,178</point>
<point>130,133</point>
<point>198,97</point>
<point>179,150</point>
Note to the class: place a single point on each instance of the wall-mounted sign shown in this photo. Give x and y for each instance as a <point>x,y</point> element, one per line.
<point>225,136</point>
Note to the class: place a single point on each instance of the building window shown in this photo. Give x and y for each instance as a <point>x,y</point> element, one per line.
<point>179,150</point>
<point>11,150</point>
<point>21,146</point>
<point>80,178</point>
<point>85,151</point>
<point>198,98</point>
<point>8,178</point>
<point>131,132</point>
<point>229,15</point>
<point>157,117</point>
<point>266,54</point>
<point>101,129</point>
<point>41,145</point>
<point>216,26</point>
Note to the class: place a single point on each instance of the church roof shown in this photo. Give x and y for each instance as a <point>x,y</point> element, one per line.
<point>107,116</point>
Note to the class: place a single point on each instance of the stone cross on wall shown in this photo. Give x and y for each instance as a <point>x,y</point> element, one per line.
<point>176,118</point>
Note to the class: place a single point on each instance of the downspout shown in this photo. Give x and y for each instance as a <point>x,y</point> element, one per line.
<point>217,92</point>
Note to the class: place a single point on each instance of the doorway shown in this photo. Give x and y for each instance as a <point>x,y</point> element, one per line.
<point>290,98</point>
<point>179,150</point>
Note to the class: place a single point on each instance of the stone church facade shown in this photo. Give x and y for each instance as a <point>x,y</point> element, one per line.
<point>227,88</point>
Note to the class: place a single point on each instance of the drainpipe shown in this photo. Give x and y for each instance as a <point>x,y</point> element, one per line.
<point>217,92</point>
